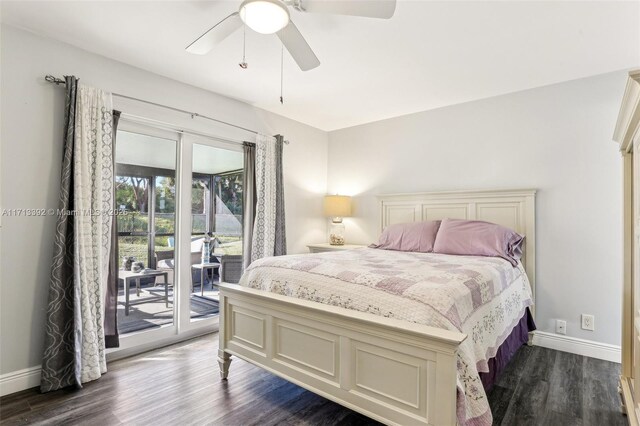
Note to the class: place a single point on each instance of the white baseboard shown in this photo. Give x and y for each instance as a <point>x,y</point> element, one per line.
<point>17,381</point>
<point>577,346</point>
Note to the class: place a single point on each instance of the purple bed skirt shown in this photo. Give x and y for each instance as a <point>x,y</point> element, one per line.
<point>518,337</point>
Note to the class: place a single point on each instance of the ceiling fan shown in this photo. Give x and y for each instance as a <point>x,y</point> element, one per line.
<point>272,16</point>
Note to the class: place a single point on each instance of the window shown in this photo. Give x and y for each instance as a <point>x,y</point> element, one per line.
<point>200,205</point>
<point>228,211</point>
<point>164,214</point>
<point>218,212</point>
<point>132,197</point>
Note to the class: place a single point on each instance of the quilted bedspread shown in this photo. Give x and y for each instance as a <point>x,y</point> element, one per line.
<point>483,297</point>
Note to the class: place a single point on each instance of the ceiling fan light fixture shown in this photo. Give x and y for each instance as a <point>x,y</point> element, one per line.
<point>264,16</point>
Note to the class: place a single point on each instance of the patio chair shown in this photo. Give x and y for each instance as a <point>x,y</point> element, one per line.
<point>165,261</point>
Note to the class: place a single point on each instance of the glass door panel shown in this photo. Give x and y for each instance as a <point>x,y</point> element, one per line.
<point>200,205</point>
<point>146,194</point>
<point>164,216</point>
<point>228,217</point>
<point>132,196</point>
<point>216,223</point>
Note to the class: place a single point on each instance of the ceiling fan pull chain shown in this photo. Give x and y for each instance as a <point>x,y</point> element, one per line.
<point>281,73</point>
<point>244,64</point>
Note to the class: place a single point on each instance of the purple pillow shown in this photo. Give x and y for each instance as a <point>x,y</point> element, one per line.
<point>418,236</point>
<point>477,238</point>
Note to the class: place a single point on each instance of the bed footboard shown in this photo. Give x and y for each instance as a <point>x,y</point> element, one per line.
<point>390,370</point>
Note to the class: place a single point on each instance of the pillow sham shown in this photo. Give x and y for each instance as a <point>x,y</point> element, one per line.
<point>417,236</point>
<point>478,238</point>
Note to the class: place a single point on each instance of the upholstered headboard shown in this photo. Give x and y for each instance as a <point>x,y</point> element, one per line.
<point>514,209</point>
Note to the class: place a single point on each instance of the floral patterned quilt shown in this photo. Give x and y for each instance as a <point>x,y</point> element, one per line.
<point>483,297</point>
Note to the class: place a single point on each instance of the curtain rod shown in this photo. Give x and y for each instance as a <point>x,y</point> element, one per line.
<point>173,127</point>
<point>58,81</point>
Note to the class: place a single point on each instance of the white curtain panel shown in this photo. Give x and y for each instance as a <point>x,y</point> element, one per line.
<point>93,201</point>
<point>264,227</point>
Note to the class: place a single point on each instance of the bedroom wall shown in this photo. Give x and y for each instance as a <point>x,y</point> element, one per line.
<point>556,139</point>
<point>31,137</point>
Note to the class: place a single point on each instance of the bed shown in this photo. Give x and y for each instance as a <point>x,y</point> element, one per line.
<point>366,329</point>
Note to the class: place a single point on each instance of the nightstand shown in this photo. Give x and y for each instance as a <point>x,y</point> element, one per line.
<point>319,248</point>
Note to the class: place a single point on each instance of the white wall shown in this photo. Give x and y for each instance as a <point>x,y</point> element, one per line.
<point>31,137</point>
<point>557,139</point>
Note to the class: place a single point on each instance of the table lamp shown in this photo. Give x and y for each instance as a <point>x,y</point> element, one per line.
<point>336,207</point>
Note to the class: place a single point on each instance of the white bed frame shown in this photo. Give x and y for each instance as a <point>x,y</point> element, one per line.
<point>392,371</point>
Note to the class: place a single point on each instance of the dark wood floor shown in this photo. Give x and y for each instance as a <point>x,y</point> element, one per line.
<point>545,387</point>
<point>180,385</point>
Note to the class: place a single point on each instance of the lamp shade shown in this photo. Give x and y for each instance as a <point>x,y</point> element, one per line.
<point>337,206</point>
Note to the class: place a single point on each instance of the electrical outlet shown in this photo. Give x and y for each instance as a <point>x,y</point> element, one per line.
<point>561,327</point>
<point>588,322</point>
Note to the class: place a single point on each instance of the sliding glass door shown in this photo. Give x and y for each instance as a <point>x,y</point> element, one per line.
<point>179,231</point>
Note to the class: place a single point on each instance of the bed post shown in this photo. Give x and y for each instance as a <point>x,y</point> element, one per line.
<point>224,359</point>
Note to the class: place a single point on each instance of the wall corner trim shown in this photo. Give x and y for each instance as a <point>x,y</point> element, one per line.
<point>20,380</point>
<point>577,346</point>
<point>629,114</point>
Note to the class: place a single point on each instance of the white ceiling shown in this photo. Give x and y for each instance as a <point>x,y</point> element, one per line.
<point>429,55</point>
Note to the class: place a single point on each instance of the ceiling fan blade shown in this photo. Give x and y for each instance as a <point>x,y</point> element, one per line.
<point>215,35</point>
<point>383,9</point>
<point>298,48</point>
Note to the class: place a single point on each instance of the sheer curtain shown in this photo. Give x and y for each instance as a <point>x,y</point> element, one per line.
<point>74,350</point>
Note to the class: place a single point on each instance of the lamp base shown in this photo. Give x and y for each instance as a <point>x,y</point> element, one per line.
<point>336,234</point>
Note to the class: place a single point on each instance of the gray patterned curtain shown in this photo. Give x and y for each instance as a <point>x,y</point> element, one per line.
<point>249,201</point>
<point>74,344</point>
<point>281,235</point>
<point>58,364</point>
<point>111,337</point>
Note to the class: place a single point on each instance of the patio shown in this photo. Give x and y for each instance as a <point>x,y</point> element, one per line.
<point>154,314</point>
